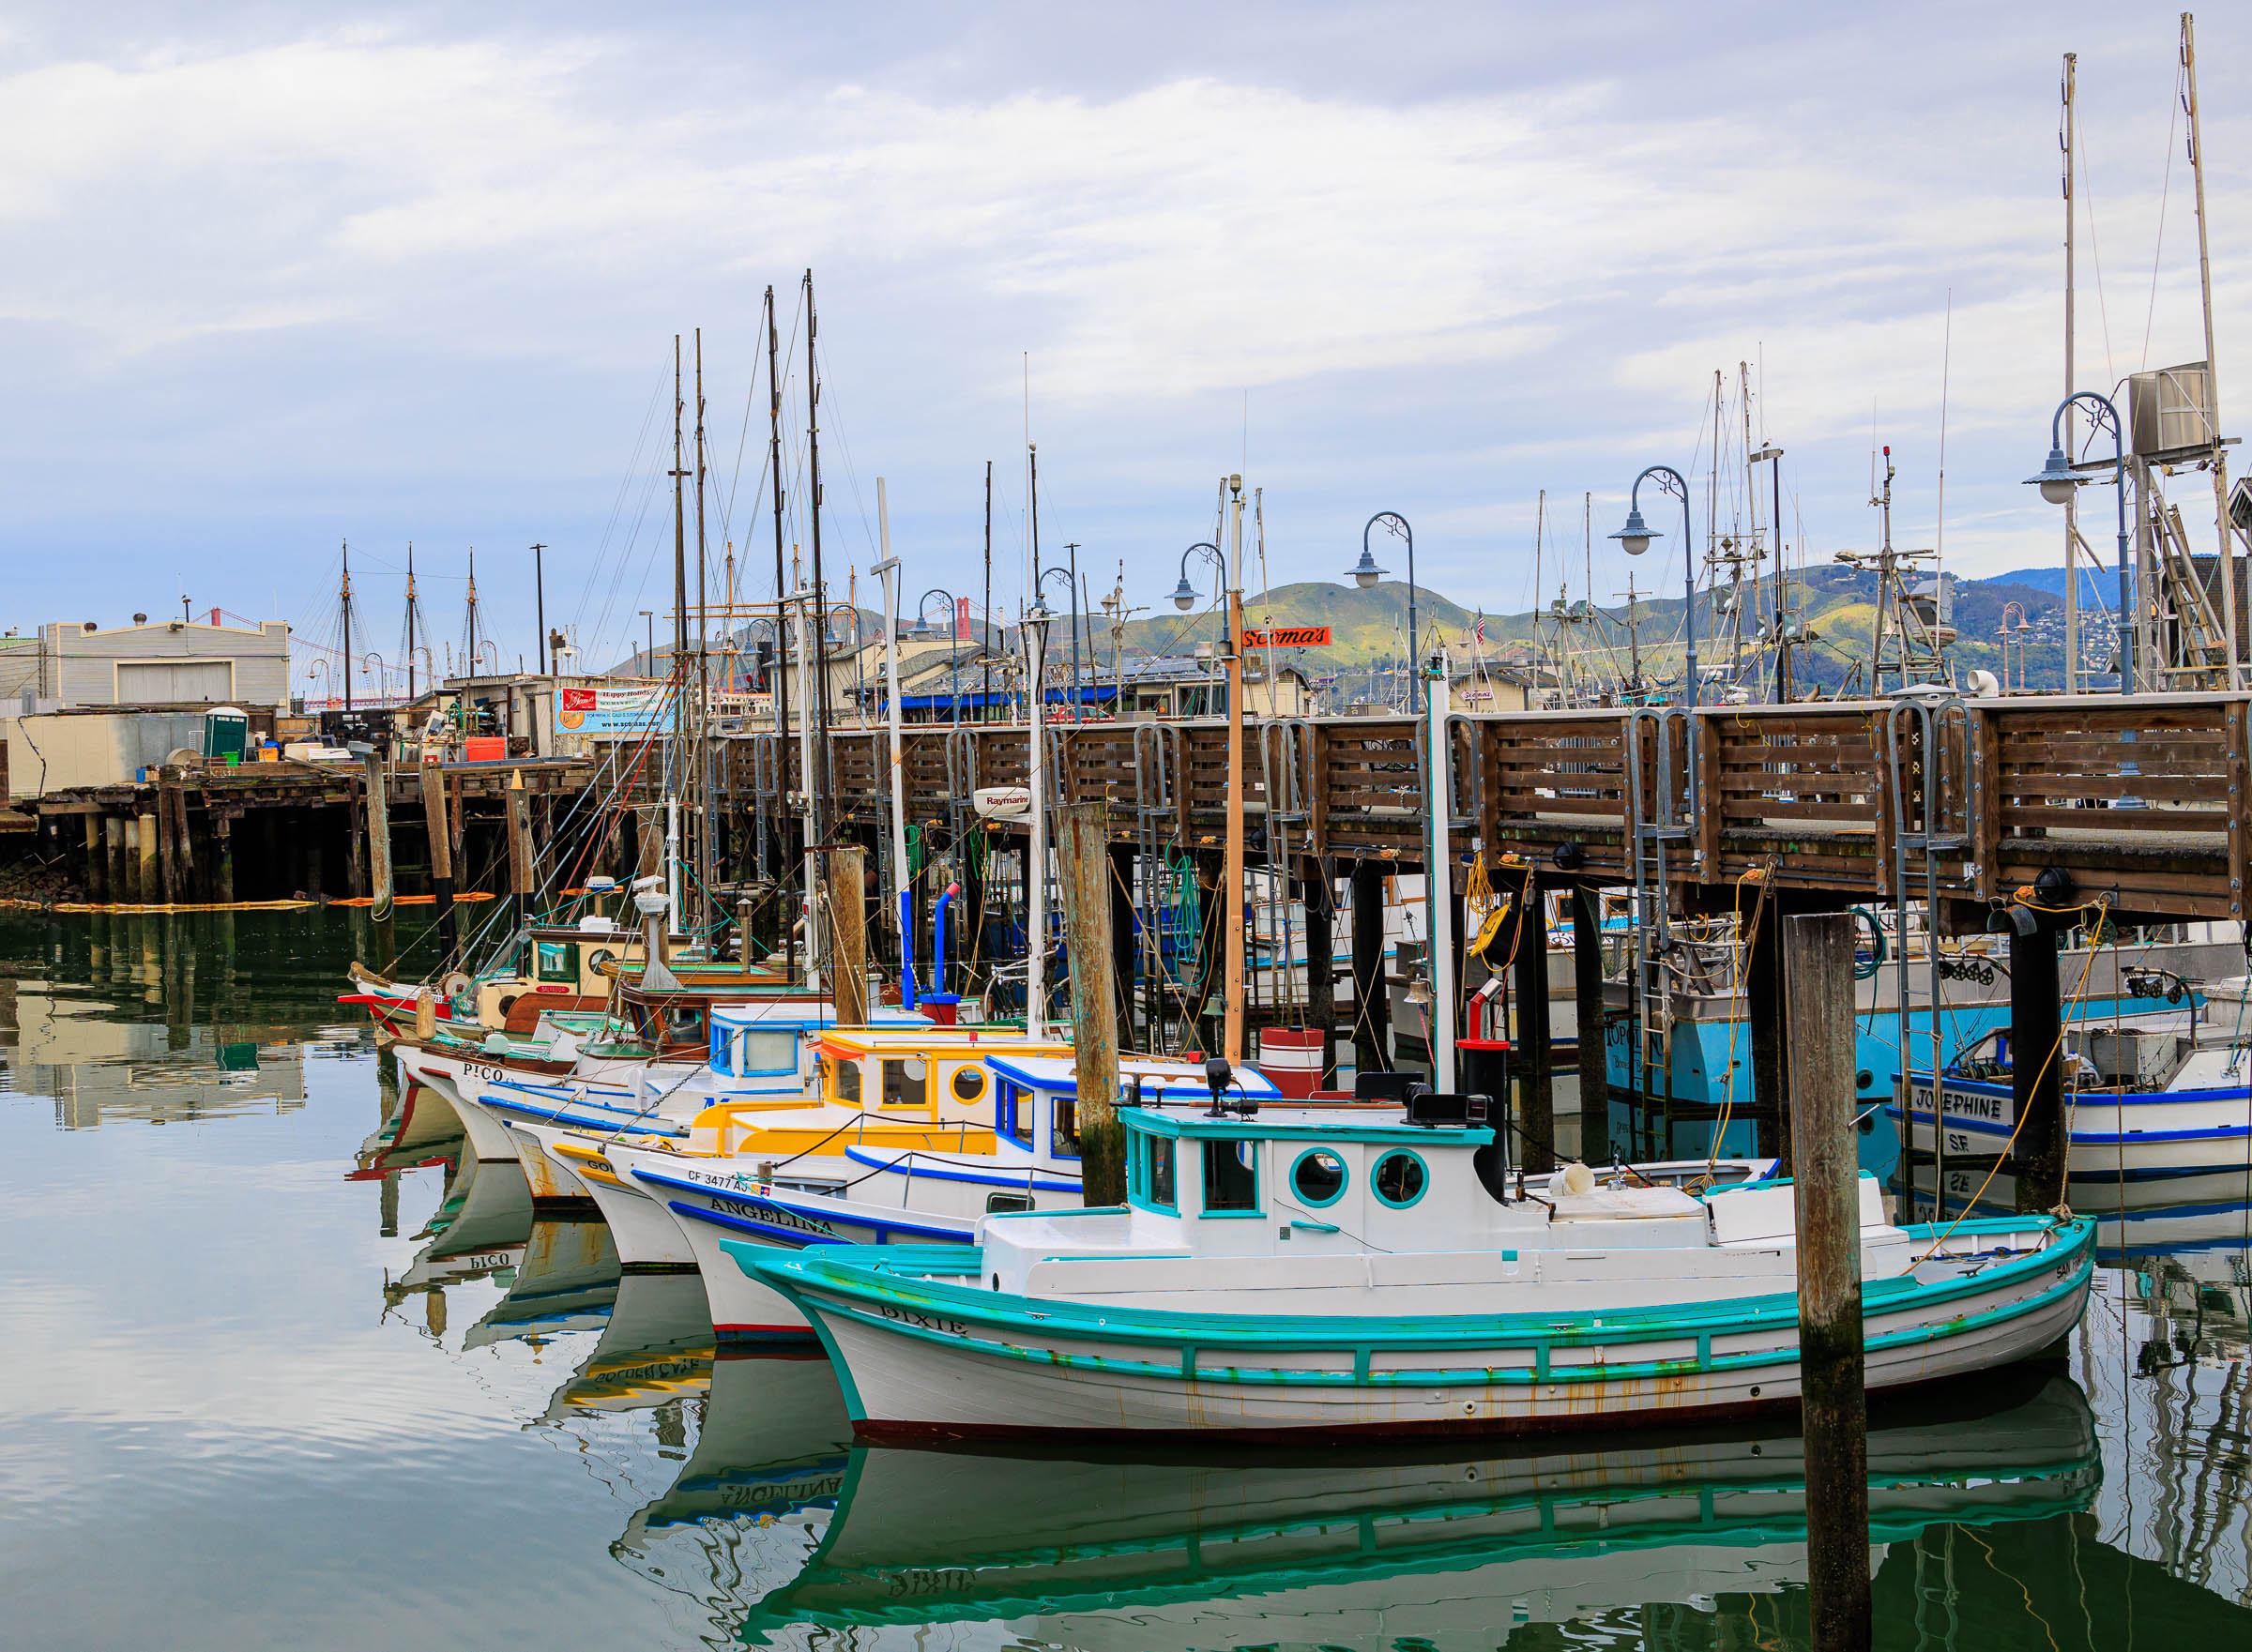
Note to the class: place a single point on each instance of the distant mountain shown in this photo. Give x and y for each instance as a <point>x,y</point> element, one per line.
<point>2051,580</point>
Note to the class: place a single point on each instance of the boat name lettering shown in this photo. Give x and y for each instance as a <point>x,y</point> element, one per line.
<point>780,1216</point>
<point>1961,1104</point>
<point>492,1075</point>
<point>928,1322</point>
<point>790,1491</point>
<point>928,1580</point>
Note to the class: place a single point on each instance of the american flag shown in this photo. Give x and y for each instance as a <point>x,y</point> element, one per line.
<point>1481,628</point>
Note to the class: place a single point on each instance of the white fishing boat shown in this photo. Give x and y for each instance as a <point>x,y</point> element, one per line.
<point>2154,1095</point>
<point>1290,1270</point>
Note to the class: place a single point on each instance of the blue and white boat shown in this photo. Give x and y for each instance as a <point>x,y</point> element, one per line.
<point>2152,1096</point>
<point>1294,1271</point>
<point>864,1178</point>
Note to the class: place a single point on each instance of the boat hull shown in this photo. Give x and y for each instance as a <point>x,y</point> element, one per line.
<point>921,1357</point>
<point>2159,1134</point>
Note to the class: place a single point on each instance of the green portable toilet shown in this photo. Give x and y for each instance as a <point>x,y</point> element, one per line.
<point>226,734</point>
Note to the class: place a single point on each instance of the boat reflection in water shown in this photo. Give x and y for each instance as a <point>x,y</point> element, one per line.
<point>654,1350</point>
<point>773,1445</point>
<point>567,1281</point>
<point>1344,1547</point>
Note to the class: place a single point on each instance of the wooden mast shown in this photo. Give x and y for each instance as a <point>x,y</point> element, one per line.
<point>2212,366</point>
<point>1232,900</point>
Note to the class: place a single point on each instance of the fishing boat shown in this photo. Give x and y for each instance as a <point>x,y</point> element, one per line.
<point>1283,1270</point>
<point>1430,1548</point>
<point>921,1171</point>
<point>2150,1096</point>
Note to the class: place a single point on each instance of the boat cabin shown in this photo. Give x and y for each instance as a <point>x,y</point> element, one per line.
<point>773,1046</point>
<point>1036,1097</point>
<point>938,1070</point>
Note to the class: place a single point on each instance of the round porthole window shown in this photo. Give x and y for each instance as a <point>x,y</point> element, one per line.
<point>968,1082</point>
<point>1400,1179</point>
<point>1318,1176</point>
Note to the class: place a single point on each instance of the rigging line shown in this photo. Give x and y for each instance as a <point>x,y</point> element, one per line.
<point>2164,189</point>
<point>617,502</point>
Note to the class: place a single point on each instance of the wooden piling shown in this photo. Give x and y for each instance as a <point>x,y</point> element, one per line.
<point>1320,898</point>
<point>97,864</point>
<point>1818,966</point>
<point>1588,1011</point>
<point>2037,1065</point>
<point>113,852</point>
<point>222,858</point>
<point>520,850</point>
<point>1531,1039</point>
<point>441,861</point>
<point>1372,994</point>
<point>379,830</point>
<point>1767,1086</point>
<point>849,932</point>
<point>1083,852</point>
<point>356,832</point>
<point>146,887</point>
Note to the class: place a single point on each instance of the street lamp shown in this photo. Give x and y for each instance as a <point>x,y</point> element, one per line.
<point>1071,585</point>
<point>1635,537</point>
<point>923,632</point>
<point>2057,480</point>
<point>1184,593</point>
<point>1365,573</point>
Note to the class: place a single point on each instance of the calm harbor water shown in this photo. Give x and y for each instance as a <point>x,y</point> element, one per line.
<point>280,1369</point>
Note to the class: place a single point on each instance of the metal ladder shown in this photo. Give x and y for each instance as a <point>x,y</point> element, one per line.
<point>1650,730</point>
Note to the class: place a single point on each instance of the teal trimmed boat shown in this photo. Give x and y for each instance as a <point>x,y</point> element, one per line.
<point>1298,1271</point>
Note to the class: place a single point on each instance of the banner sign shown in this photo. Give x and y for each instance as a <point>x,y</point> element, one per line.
<point>614,711</point>
<point>1289,636</point>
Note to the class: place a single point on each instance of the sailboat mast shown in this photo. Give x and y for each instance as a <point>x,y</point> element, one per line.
<point>813,469</point>
<point>985,622</point>
<point>410,621</point>
<point>701,818</point>
<point>679,671</point>
<point>2212,366</point>
<point>345,603</point>
<point>1231,905</point>
<point>2072,526</point>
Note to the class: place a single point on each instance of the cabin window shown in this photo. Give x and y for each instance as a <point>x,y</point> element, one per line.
<point>723,1050</point>
<point>1399,1179</point>
<point>1318,1176</point>
<point>1156,1159</point>
<point>849,1081</point>
<point>1013,1112</point>
<point>968,1082</point>
<point>904,1081</point>
<point>599,959</point>
<point>768,1050</point>
<point>1231,1182</point>
<point>999,1204</point>
<point>688,1027</point>
<point>551,961</point>
<point>1063,1127</point>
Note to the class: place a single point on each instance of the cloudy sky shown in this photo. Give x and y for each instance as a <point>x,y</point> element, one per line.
<point>275,277</point>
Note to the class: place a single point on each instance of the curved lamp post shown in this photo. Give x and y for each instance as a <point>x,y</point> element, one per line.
<point>1071,586</point>
<point>2057,480</point>
<point>1635,538</point>
<point>1184,593</point>
<point>923,632</point>
<point>1365,573</point>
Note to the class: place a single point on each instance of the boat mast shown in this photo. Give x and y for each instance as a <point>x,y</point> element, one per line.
<point>700,818</point>
<point>985,621</point>
<point>2072,526</point>
<point>678,675</point>
<point>1232,904</point>
<point>410,621</point>
<point>344,602</point>
<point>2212,366</point>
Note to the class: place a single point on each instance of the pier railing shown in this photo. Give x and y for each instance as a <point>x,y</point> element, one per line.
<point>2143,799</point>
